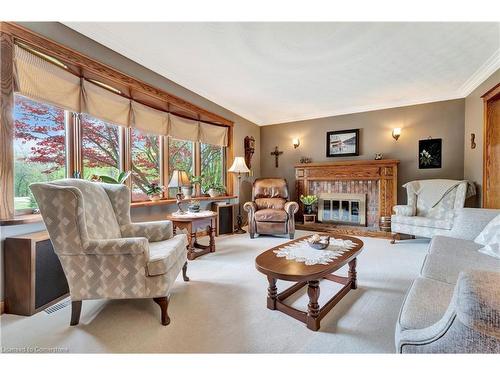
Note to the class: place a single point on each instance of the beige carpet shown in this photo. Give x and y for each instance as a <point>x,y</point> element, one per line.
<point>223,309</point>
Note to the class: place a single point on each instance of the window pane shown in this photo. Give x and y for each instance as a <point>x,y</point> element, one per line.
<point>181,158</point>
<point>39,147</point>
<point>212,164</point>
<point>100,147</point>
<point>145,151</point>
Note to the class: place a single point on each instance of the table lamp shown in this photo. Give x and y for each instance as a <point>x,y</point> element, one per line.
<point>239,166</point>
<point>179,178</point>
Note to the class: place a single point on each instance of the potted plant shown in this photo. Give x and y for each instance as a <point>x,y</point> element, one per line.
<point>154,191</point>
<point>216,189</point>
<point>196,180</point>
<point>308,201</point>
<point>122,177</point>
<point>194,206</point>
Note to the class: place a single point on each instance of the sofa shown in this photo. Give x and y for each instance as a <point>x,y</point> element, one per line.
<point>431,207</point>
<point>454,304</point>
<point>270,211</point>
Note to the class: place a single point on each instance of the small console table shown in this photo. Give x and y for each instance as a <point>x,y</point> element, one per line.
<point>193,222</point>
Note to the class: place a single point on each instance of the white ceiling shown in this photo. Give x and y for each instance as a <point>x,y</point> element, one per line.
<point>278,72</point>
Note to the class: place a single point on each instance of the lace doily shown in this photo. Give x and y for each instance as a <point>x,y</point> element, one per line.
<point>194,214</point>
<point>301,252</point>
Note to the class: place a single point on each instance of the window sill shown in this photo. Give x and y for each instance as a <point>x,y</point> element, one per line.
<point>172,201</point>
<point>22,219</point>
<point>37,218</point>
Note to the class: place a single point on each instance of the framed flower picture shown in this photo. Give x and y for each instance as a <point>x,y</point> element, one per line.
<point>429,153</point>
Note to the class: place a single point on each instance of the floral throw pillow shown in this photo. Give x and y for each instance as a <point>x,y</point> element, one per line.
<point>490,238</point>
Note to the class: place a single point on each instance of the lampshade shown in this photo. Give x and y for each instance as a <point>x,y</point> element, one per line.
<point>239,165</point>
<point>179,178</point>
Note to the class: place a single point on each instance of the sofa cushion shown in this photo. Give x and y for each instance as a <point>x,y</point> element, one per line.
<point>273,203</point>
<point>425,303</point>
<point>449,256</point>
<point>164,254</point>
<point>422,221</point>
<point>270,214</point>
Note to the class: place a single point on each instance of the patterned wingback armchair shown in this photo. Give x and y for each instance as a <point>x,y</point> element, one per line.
<point>270,212</point>
<point>431,207</point>
<point>104,254</point>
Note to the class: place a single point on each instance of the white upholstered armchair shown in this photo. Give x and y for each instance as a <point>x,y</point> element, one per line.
<point>431,207</point>
<point>104,254</point>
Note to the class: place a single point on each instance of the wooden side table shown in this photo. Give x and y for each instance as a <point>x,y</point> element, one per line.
<point>207,220</point>
<point>309,218</point>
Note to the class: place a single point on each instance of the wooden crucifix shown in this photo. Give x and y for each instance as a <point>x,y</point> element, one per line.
<point>276,154</point>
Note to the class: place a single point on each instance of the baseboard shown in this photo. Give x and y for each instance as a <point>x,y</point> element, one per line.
<point>2,304</point>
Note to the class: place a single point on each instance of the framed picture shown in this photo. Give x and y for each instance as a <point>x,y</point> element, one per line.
<point>429,153</point>
<point>342,143</point>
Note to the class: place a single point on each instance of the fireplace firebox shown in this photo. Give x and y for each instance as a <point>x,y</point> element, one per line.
<point>342,208</point>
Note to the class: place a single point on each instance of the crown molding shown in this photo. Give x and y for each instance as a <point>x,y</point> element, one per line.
<point>361,109</point>
<point>489,67</point>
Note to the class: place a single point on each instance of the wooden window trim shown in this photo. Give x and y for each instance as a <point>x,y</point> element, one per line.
<point>11,32</point>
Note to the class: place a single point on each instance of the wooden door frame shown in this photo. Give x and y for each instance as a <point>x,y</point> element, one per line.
<point>488,97</point>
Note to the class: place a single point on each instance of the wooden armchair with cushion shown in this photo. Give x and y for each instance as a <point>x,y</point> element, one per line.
<point>270,211</point>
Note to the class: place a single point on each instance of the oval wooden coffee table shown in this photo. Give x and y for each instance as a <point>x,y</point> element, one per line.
<point>290,270</point>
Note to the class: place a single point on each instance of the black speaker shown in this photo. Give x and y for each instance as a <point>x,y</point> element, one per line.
<point>225,212</point>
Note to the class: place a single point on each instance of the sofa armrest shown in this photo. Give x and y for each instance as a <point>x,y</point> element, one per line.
<point>477,301</point>
<point>469,222</point>
<point>152,230</point>
<point>250,207</point>
<point>403,210</point>
<point>469,325</point>
<point>291,208</point>
<point>117,246</point>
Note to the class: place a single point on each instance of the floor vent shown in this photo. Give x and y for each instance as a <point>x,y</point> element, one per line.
<point>58,306</point>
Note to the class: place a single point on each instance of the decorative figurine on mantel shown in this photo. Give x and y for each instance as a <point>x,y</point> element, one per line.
<point>305,160</point>
<point>276,154</point>
<point>379,156</point>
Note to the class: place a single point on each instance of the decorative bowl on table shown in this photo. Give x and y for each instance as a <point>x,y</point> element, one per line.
<point>318,242</point>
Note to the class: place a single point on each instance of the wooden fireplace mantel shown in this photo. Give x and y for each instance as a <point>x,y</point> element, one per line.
<point>385,172</point>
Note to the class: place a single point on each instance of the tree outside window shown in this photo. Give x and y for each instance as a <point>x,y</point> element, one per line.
<point>145,152</point>
<point>100,147</point>
<point>39,147</point>
<point>212,165</point>
<point>181,158</point>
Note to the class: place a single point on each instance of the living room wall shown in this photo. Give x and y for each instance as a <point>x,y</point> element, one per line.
<point>437,120</point>
<point>242,127</point>
<point>474,123</point>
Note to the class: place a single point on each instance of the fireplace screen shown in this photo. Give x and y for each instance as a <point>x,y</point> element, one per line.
<point>342,208</point>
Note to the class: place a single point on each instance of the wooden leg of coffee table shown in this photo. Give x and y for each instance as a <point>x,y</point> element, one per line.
<point>313,306</point>
<point>352,274</point>
<point>272,292</point>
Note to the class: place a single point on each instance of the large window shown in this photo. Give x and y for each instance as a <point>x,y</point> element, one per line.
<point>100,147</point>
<point>212,165</point>
<point>39,148</point>
<point>145,154</point>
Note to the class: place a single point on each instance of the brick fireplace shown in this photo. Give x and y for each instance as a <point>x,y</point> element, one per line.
<point>371,183</point>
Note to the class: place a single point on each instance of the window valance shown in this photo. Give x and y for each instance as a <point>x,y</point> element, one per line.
<point>213,134</point>
<point>103,104</point>
<point>42,80</point>
<point>184,129</point>
<point>149,120</point>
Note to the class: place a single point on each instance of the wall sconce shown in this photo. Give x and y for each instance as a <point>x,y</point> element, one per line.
<point>296,142</point>
<point>396,133</point>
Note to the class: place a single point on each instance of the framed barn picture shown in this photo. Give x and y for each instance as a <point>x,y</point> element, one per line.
<point>342,143</point>
<point>429,153</point>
